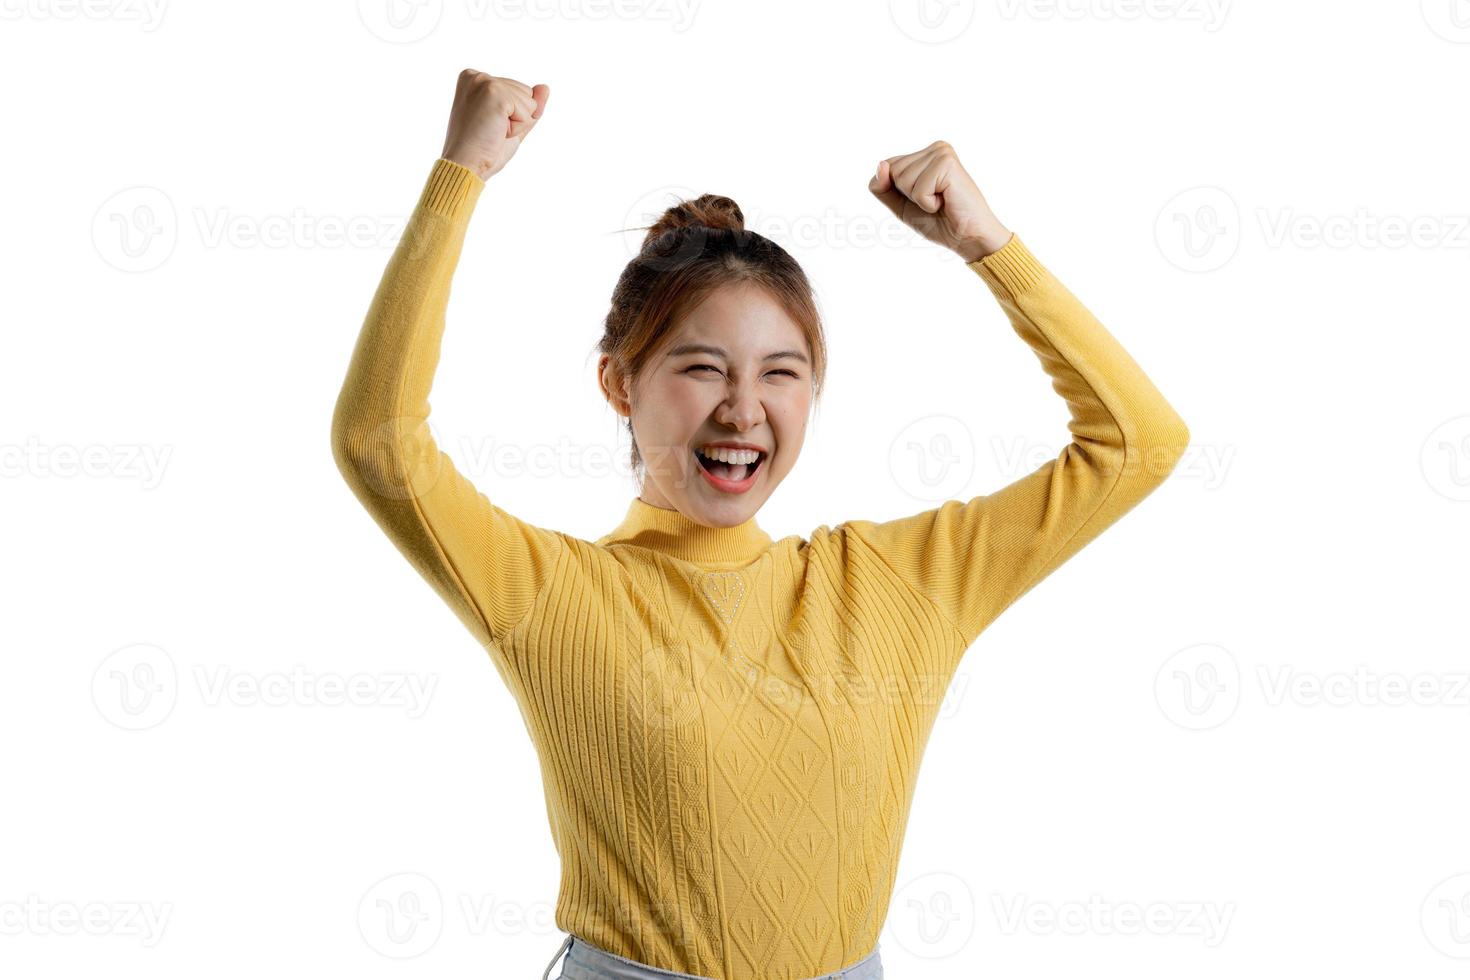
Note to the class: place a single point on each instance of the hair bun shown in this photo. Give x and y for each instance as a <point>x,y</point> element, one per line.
<point>705,211</point>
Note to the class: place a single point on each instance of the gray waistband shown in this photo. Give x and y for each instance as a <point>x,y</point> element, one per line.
<point>588,962</point>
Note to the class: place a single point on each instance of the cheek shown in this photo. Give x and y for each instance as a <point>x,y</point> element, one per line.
<point>788,417</point>
<point>671,410</point>
<point>794,407</point>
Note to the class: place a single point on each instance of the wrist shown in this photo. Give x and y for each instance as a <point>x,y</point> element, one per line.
<point>972,248</point>
<point>472,162</point>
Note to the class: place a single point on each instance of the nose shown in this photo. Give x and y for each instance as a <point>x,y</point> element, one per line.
<point>742,410</point>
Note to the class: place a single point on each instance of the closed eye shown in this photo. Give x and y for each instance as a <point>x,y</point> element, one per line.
<point>711,367</point>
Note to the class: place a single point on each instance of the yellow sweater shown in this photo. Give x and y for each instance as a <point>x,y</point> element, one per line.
<point>730,728</point>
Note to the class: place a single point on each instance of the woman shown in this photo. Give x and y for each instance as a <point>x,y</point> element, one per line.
<point>729,727</point>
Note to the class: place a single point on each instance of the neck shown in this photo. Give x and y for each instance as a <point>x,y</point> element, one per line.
<point>671,532</point>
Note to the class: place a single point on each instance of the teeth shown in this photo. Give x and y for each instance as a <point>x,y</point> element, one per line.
<point>729,455</point>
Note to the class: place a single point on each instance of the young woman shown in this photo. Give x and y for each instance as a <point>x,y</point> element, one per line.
<point>729,727</point>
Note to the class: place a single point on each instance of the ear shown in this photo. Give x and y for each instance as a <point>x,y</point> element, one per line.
<point>614,385</point>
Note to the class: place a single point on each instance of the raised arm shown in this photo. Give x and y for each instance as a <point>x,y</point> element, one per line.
<point>973,559</point>
<point>488,565</point>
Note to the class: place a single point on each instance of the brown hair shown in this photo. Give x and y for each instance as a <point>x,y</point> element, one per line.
<point>693,248</point>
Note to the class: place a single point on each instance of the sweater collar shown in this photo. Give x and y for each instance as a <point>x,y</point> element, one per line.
<point>672,533</point>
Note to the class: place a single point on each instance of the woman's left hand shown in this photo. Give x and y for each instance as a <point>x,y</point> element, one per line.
<point>931,193</point>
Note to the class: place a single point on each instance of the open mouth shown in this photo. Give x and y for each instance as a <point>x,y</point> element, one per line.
<point>730,472</point>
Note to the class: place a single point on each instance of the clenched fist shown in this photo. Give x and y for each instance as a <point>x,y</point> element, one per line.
<point>931,193</point>
<point>490,117</point>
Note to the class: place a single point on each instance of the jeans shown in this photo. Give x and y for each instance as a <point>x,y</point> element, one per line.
<point>589,962</point>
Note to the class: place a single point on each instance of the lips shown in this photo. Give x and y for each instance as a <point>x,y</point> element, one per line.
<point>719,481</point>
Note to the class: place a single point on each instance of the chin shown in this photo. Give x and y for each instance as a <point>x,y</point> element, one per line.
<point>727,511</point>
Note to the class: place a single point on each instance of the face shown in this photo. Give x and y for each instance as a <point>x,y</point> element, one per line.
<point>737,369</point>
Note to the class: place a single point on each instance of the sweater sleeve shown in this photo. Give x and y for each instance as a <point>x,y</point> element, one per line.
<point>973,559</point>
<point>488,565</point>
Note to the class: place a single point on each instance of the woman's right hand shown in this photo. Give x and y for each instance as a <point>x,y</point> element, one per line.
<point>490,117</point>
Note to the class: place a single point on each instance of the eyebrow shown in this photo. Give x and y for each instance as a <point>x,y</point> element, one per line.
<point>720,352</point>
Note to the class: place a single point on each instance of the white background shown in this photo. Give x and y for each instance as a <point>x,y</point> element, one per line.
<point>1195,720</point>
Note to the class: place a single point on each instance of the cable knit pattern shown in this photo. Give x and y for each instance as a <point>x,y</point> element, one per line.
<point>729,727</point>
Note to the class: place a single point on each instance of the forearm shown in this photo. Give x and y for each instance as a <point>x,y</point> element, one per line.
<point>973,559</point>
<point>1113,403</point>
<point>397,351</point>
